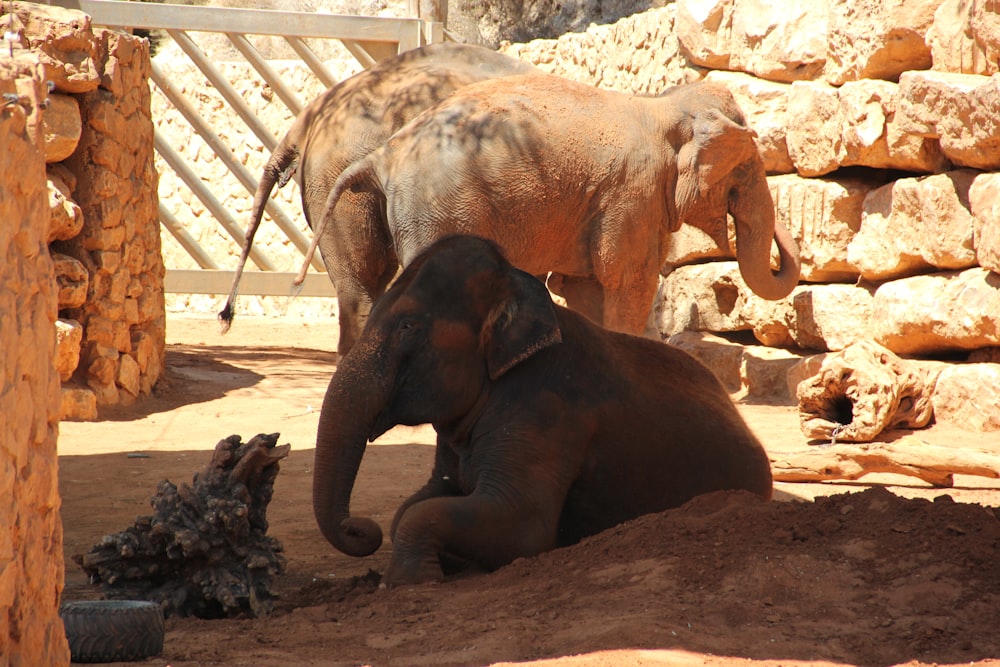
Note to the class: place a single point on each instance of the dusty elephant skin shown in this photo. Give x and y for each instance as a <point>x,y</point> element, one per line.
<point>580,182</point>
<point>341,126</point>
<point>549,427</point>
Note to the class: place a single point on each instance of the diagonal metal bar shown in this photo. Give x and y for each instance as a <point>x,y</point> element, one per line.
<point>225,88</point>
<point>310,58</point>
<point>188,242</point>
<point>214,206</point>
<point>223,152</point>
<point>244,46</point>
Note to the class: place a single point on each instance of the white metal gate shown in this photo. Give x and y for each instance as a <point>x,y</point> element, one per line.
<point>368,39</point>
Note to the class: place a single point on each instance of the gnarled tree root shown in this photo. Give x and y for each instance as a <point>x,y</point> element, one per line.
<point>861,391</point>
<point>205,550</point>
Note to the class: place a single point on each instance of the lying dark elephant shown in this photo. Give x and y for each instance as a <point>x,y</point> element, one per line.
<point>581,182</point>
<point>341,126</point>
<point>550,428</point>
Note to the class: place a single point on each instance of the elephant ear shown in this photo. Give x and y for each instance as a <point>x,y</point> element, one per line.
<point>521,324</point>
<point>717,147</point>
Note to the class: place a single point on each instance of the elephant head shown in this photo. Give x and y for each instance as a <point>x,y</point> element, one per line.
<point>720,171</point>
<point>429,349</point>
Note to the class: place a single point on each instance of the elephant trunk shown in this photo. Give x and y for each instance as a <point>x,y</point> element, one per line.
<point>352,403</point>
<point>753,212</point>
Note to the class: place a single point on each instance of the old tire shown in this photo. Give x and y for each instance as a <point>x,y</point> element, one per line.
<point>113,630</point>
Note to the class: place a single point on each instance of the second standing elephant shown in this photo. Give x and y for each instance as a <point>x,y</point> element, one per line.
<point>580,182</point>
<point>341,126</point>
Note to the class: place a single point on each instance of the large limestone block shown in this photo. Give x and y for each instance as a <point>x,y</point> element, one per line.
<point>701,297</point>
<point>852,125</point>
<point>984,202</point>
<point>965,37</point>
<point>962,111</point>
<point>779,41</point>
<point>823,215</point>
<point>64,41</point>
<point>764,373</point>
<point>704,31</point>
<point>816,120</point>
<point>968,395</point>
<point>697,242</point>
<point>722,356</point>
<point>61,125</point>
<point>69,336</point>
<point>73,280</point>
<point>812,317</point>
<point>764,103</point>
<point>916,224</point>
<point>874,39</point>
<point>65,216</point>
<point>77,404</point>
<point>952,310</point>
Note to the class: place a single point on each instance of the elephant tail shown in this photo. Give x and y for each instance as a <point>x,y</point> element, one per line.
<point>278,170</point>
<point>360,176</point>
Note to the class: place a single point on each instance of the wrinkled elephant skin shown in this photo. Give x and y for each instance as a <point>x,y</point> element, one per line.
<point>550,428</point>
<point>342,125</point>
<point>580,182</point>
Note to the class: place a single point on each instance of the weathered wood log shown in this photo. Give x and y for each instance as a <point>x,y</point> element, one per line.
<point>205,550</point>
<point>909,456</point>
<point>861,391</point>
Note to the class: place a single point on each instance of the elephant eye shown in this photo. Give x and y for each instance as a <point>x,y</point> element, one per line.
<point>408,327</point>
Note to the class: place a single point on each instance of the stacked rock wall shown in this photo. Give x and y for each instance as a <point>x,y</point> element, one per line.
<point>879,125</point>
<point>104,236</point>
<point>31,560</point>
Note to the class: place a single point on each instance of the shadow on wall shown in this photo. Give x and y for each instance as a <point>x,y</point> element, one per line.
<point>494,21</point>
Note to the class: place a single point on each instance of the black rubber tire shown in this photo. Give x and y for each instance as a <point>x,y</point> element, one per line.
<point>113,630</point>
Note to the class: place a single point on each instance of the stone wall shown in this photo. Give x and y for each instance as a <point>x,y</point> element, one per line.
<point>879,124</point>
<point>31,559</point>
<point>105,240</point>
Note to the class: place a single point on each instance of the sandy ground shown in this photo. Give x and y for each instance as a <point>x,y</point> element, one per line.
<point>883,572</point>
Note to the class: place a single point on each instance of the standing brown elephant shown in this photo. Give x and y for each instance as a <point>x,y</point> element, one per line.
<point>581,182</point>
<point>341,126</point>
<point>550,428</point>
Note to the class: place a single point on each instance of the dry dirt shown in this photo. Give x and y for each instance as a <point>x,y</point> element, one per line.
<point>886,572</point>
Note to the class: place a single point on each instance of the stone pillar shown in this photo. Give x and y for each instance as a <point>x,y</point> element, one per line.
<point>31,559</point>
<point>123,316</point>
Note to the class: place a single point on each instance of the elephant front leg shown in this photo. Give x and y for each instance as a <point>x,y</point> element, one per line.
<point>477,529</point>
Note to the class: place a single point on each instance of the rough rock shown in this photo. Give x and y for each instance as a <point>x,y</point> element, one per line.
<point>764,103</point>
<point>853,125</point>
<point>701,297</point>
<point>823,215</point>
<point>873,39</point>
<point>952,310</point>
<point>704,31</point>
<point>962,111</point>
<point>61,126</point>
<point>722,356</point>
<point>984,202</point>
<point>861,391</point>
<point>779,41</point>
<point>73,279</point>
<point>914,225</point>
<point>69,335</point>
<point>813,317</point>
<point>965,37</point>
<point>64,41</point>
<point>764,373</point>
<point>66,218</point>
<point>77,404</point>
<point>968,395</point>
